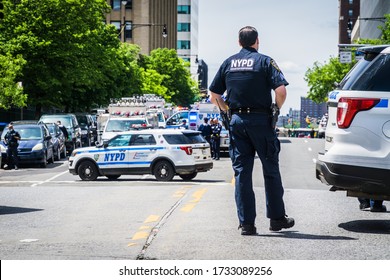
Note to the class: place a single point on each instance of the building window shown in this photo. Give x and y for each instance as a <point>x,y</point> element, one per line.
<point>350,2</point>
<point>129,4</point>
<point>128,30</point>
<point>350,13</point>
<point>117,25</point>
<point>116,4</point>
<point>184,9</point>
<point>183,27</point>
<point>183,45</point>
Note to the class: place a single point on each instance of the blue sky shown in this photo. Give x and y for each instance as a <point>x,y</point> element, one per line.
<point>295,33</point>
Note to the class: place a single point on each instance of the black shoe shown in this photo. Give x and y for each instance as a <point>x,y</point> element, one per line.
<point>378,208</point>
<point>364,204</point>
<point>248,229</point>
<point>278,224</point>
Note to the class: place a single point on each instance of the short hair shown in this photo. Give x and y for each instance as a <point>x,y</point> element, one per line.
<point>247,36</point>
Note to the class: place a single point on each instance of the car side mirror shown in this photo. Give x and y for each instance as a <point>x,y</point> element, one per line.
<point>105,144</point>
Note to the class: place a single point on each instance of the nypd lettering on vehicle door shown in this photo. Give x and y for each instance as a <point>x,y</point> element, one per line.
<point>242,64</point>
<point>114,157</point>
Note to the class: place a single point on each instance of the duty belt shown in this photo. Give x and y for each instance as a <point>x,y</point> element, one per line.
<point>248,110</point>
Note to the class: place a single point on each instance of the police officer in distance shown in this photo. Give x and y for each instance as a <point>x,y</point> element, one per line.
<point>249,78</point>
<point>216,128</point>
<point>11,139</point>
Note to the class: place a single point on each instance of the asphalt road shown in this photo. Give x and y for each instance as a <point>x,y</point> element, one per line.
<point>49,214</point>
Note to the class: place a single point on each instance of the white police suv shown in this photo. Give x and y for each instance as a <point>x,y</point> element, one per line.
<point>356,158</point>
<point>161,152</point>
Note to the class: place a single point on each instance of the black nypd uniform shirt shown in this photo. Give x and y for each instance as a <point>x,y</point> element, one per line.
<point>248,77</point>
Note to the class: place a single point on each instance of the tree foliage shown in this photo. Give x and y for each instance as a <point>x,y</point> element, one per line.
<point>321,78</point>
<point>66,57</point>
<point>176,78</point>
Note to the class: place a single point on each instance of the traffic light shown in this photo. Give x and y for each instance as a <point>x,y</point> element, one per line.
<point>1,9</point>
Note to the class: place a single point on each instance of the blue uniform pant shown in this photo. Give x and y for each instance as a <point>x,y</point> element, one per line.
<point>12,156</point>
<point>251,134</point>
<point>216,142</point>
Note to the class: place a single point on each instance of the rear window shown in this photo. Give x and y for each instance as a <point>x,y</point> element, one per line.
<point>180,139</point>
<point>369,75</point>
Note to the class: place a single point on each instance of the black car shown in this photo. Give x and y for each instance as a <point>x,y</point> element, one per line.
<point>88,129</point>
<point>58,140</point>
<point>72,126</point>
<point>35,145</point>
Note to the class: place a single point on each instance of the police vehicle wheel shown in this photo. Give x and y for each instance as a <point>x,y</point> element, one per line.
<point>188,177</point>
<point>113,177</point>
<point>163,171</point>
<point>87,171</point>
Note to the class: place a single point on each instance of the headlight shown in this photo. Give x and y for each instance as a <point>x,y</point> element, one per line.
<point>38,147</point>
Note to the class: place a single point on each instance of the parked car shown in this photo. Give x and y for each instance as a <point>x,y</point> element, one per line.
<point>72,126</point>
<point>357,141</point>
<point>35,146</point>
<point>225,140</point>
<point>58,140</point>
<point>88,129</point>
<point>161,152</point>
<point>3,125</point>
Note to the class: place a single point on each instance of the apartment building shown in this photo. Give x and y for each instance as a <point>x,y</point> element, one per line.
<point>150,24</point>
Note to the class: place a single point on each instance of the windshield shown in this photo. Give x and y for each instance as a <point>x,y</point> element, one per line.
<point>65,121</point>
<point>117,125</point>
<point>29,133</point>
<point>82,120</point>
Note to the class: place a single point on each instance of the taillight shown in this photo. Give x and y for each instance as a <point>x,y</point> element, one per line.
<point>347,108</point>
<point>187,149</point>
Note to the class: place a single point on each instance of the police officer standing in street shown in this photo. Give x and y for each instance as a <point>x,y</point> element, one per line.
<point>249,77</point>
<point>11,139</point>
<point>216,128</point>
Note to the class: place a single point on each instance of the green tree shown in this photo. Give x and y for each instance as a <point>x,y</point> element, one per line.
<point>68,50</point>
<point>176,78</point>
<point>11,92</point>
<point>321,78</point>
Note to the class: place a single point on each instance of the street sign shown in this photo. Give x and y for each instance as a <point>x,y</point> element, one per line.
<point>345,56</point>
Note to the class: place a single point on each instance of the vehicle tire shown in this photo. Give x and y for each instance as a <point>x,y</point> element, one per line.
<point>64,152</point>
<point>113,177</point>
<point>188,177</point>
<point>163,171</point>
<point>87,171</point>
<point>51,159</point>
<point>58,154</point>
<point>43,164</point>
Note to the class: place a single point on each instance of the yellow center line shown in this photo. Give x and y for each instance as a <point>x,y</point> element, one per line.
<point>197,196</point>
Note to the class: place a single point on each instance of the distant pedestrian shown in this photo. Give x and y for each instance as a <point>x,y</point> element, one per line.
<point>11,139</point>
<point>63,129</point>
<point>216,128</point>
<point>205,129</point>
